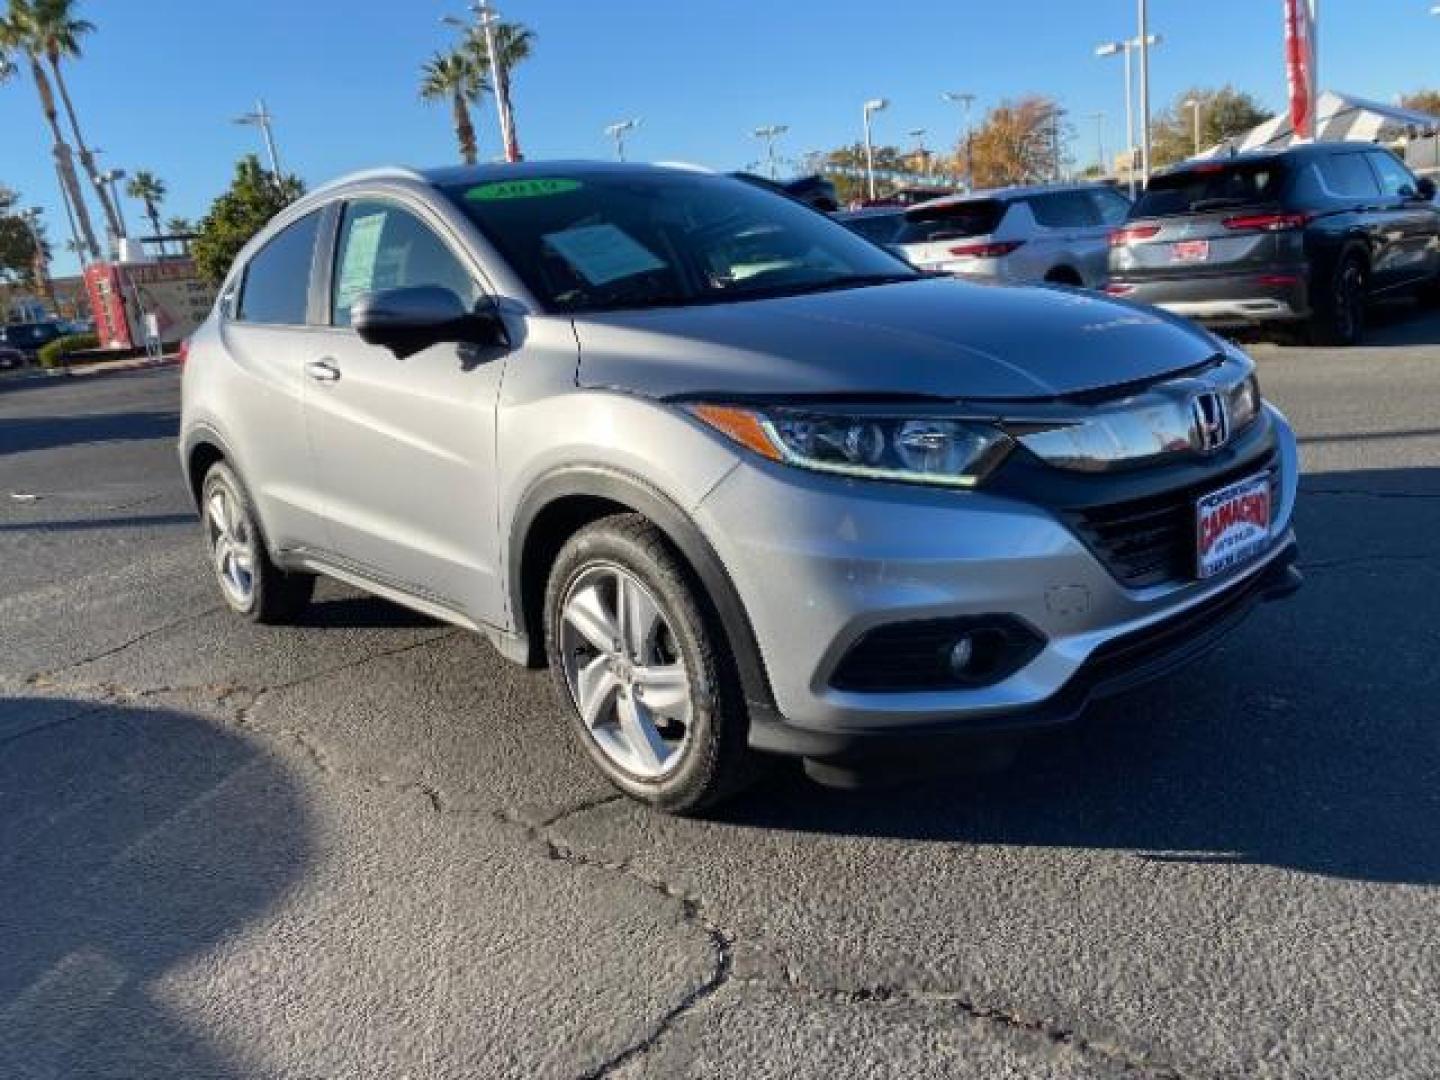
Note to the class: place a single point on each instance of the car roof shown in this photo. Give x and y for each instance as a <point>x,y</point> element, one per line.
<point>1261,157</point>
<point>445,176</point>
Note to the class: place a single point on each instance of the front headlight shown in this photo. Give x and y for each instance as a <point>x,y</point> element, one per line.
<point>913,449</point>
<point>1244,403</point>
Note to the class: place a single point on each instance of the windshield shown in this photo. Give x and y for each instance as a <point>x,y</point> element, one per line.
<point>1212,187</point>
<point>952,221</point>
<point>608,241</point>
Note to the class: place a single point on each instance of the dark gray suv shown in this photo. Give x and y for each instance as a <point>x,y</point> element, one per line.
<point>1307,236</point>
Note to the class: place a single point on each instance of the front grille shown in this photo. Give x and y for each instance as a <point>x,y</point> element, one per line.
<point>1150,541</point>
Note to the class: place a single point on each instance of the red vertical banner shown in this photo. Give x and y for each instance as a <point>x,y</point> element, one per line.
<point>1300,66</point>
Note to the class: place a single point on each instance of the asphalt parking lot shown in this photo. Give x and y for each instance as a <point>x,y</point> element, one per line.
<point>366,846</point>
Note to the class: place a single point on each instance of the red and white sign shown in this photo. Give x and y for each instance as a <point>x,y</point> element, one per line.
<point>1232,525</point>
<point>1300,62</point>
<point>123,296</point>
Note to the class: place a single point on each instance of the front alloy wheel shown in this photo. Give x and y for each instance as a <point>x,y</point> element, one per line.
<point>641,664</point>
<point>624,670</point>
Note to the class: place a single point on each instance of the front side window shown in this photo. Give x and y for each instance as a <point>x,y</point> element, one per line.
<point>385,247</point>
<point>608,241</point>
<point>1395,179</point>
<point>275,288</point>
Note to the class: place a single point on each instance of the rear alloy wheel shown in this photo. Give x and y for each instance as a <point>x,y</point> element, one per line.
<point>1339,317</point>
<point>251,584</point>
<point>633,653</point>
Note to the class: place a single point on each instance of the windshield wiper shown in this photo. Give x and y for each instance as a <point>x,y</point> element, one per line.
<point>853,281</point>
<point>1201,205</point>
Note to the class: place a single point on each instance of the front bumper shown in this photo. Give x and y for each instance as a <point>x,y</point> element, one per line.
<point>1226,300</point>
<point>818,561</point>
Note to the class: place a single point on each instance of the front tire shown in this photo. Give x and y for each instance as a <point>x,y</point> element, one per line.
<point>641,666</point>
<point>251,584</point>
<point>1339,316</point>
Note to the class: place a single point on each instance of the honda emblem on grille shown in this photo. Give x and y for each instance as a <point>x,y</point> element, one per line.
<point>1212,421</point>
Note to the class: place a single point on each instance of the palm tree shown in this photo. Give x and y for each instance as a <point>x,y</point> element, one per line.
<point>18,32</point>
<point>150,190</point>
<point>181,227</point>
<point>58,32</point>
<point>454,77</point>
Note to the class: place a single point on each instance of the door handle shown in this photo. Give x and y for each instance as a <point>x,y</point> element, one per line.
<point>323,370</point>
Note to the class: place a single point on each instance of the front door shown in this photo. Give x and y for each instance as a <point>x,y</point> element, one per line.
<point>406,448</point>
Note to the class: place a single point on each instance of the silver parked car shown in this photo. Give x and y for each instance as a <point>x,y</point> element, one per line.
<point>1059,234</point>
<point>743,480</point>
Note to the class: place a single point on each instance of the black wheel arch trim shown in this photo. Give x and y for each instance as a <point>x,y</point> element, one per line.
<point>618,486</point>
<point>193,438</point>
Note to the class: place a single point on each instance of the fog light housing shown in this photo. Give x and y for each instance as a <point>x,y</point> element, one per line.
<point>937,654</point>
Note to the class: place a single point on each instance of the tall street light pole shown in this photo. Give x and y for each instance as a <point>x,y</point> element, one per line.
<point>1099,118</point>
<point>965,101</point>
<point>112,177</point>
<point>1145,91</point>
<point>75,244</point>
<point>617,132</point>
<point>488,17</point>
<point>1125,48</point>
<point>771,132</point>
<point>874,105</point>
<point>263,119</point>
<point>1195,105</point>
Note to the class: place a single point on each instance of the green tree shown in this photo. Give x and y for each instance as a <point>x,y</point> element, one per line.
<point>150,190</point>
<point>1224,113</point>
<point>454,77</point>
<point>57,31</point>
<point>1426,101</point>
<point>18,261</point>
<point>23,30</point>
<point>845,167</point>
<point>254,197</point>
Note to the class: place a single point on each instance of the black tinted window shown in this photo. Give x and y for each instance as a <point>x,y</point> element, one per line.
<point>277,279</point>
<point>952,221</point>
<point>1065,210</point>
<point>385,247</point>
<point>1347,176</point>
<point>1395,179</point>
<point>1213,187</point>
<point>881,228</point>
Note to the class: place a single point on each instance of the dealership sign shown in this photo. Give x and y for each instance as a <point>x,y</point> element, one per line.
<point>1300,60</point>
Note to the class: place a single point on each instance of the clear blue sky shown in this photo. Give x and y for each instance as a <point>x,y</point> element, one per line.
<point>161,78</point>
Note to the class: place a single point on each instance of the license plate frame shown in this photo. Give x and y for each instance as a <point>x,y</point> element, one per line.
<point>1232,525</point>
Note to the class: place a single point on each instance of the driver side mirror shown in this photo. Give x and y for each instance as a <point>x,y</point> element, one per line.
<point>1425,189</point>
<point>410,320</point>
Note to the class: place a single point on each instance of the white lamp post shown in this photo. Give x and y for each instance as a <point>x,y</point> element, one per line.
<point>874,105</point>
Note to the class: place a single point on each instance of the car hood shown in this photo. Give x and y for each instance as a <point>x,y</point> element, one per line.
<point>935,338</point>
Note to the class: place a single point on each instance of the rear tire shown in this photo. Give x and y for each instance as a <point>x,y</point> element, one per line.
<point>1339,305</point>
<point>642,668</point>
<point>250,583</point>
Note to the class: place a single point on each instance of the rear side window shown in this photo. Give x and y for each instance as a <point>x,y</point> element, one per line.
<point>1213,187</point>
<point>952,221</point>
<point>276,287</point>
<point>1347,176</point>
<point>1395,179</point>
<point>880,228</point>
<point>1113,207</point>
<point>1065,210</point>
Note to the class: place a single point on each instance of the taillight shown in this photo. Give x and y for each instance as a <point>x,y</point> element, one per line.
<point>1132,233</point>
<point>182,354</point>
<point>1267,222</point>
<point>1116,289</point>
<point>986,251</point>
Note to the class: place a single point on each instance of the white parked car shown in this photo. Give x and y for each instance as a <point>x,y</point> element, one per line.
<point>1023,234</point>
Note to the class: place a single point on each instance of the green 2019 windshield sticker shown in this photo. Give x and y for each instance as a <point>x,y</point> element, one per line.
<point>521,189</point>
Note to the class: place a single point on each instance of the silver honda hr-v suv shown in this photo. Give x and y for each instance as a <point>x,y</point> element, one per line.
<point>745,481</point>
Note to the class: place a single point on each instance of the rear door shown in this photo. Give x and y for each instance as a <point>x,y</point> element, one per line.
<point>1407,234</point>
<point>1215,219</point>
<point>1073,234</point>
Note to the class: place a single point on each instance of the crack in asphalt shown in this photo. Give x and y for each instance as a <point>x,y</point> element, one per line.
<point>1356,493</point>
<point>1057,1034</point>
<point>692,912</point>
<point>40,678</point>
<point>1361,560</point>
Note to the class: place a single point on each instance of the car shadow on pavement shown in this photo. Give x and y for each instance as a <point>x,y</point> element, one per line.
<point>24,434</point>
<point>131,841</point>
<point>1309,741</point>
<point>361,612</point>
